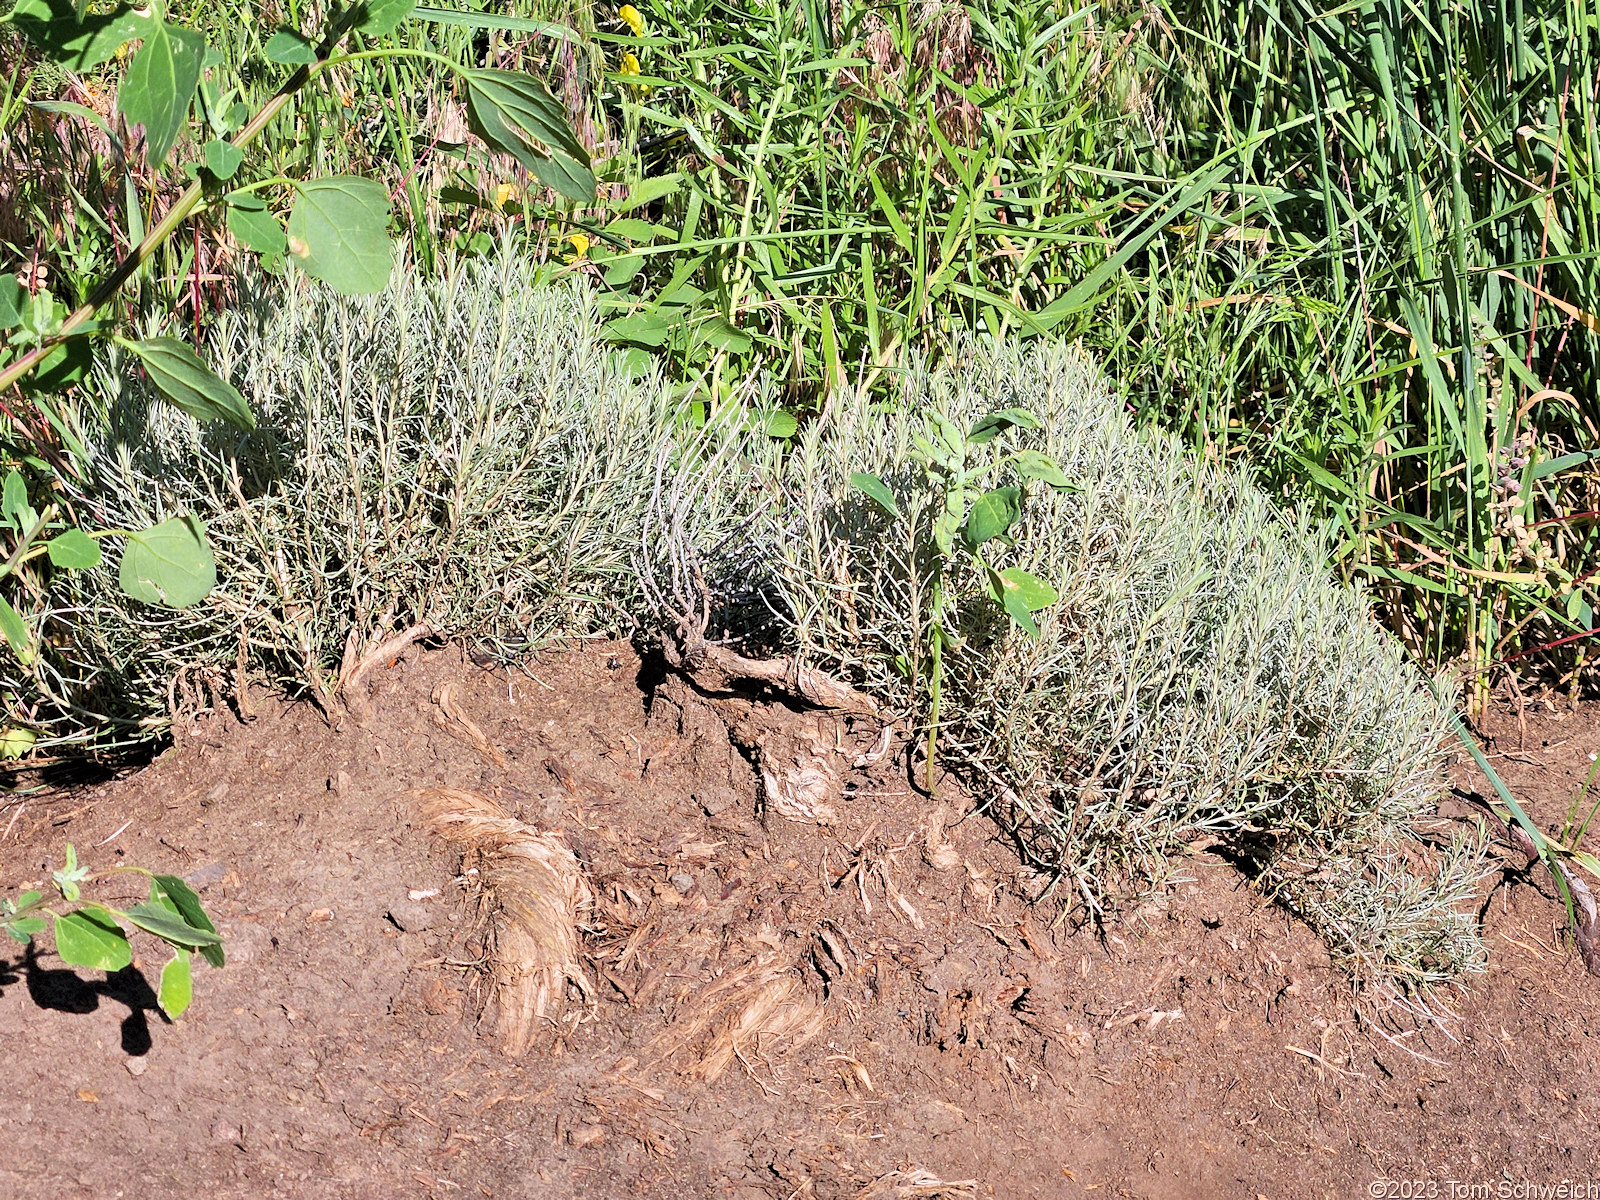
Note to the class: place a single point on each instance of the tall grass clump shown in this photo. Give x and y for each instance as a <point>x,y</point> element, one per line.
<point>1202,679</point>
<point>464,453</point>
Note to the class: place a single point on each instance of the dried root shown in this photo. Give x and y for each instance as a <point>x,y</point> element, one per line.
<point>536,895</point>
<point>450,717</point>
<point>915,1182</point>
<point>751,1009</point>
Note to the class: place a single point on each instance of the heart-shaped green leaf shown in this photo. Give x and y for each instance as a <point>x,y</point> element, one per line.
<point>189,384</point>
<point>222,158</point>
<point>992,515</point>
<point>516,115</point>
<point>252,222</point>
<point>169,564</point>
<point>78,44</point>
<point>986,428</point>
<point>870,486</point>
<point>74,550</point>
<point>339,233</point>
<point>23,929</point>
<point>177,985</point>
<point>287,48</point>
<point>380,16</point>
<point>177,893</point>
<point>159,84</point>
<point>93,940</point>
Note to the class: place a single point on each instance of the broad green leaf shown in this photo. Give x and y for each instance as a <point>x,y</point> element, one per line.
<point>177,985</point>
<point>22,930</point>
<point>1018,612</point>
<point>12,297</point>
<point>1032,464</point>
<point>74,550</point>
<point>78,45</point>
<point>287,48</point>
<point>252,222</point>
<point>169,564</point>
<point>873,488</point>
<point>724,335</point>
<point>168,926</point>
<point>14,506</point>
<point>222,158</point>
<point>516,115</point>
<point>159,84</point>
<point>1033,592</point>
<point>90,939</point>
<point>622,270</point>
<point>15,742</point>
<point>16,634</point>
<point>184,901</point>
<point>992,515</point>
<point>781,424</point>
<point>633,229</point>
<point>985,428</point>
<point>189,384</point>
<point>647,329</point>
<point>374,17</point>
<point>339,232</point>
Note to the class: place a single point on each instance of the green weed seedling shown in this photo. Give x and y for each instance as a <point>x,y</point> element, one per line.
<point>90,934</point>
<point>970,517</point>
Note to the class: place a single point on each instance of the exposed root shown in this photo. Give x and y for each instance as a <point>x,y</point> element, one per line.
<point>449,716</point>
<point>915,1182</point>
<point>750,1009</point>
<point>535,894</point>
<point>798,789</point>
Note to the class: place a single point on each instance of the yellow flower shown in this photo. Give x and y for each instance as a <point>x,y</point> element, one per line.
<point>349,98</point>
<point>630,17</point>
<point>122,51</point>
<point>629,64</point>
<point>506,193</point>
<point>580,246</point>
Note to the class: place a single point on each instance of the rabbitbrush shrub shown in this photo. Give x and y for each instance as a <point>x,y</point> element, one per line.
<point>470,453</point>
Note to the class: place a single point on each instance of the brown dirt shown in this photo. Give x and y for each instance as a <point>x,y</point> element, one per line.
<point>780,1009</point>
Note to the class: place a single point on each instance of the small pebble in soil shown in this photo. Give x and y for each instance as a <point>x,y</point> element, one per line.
<point>136,1066</point>
<point>586,1135</point>
<point>681,880</point>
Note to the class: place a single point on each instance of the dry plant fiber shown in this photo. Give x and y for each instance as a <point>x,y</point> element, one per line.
<point>535,895</point>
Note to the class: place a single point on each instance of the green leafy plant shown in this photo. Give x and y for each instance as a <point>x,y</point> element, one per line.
<point>91,934</point>
<point>970,517</point>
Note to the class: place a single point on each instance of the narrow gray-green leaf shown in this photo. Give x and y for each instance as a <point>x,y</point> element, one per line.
<point>88,939</point>
<point>339,232</point>
<point>287,48</point>
<point>169,564</point>
<point>252,222</point>
<point>74,550</point>
<point>189,384</point>
<point>159,84</point>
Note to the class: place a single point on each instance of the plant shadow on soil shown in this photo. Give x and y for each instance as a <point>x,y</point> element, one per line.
<point>961,1041</point>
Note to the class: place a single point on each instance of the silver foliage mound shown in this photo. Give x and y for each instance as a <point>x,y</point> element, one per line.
<point>470,454</point>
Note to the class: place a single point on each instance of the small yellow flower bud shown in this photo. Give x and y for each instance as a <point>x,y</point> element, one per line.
<point>580,246</point>
<point>506,193</point>
<point>629,15</point>
<point>629,64</point>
